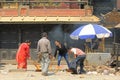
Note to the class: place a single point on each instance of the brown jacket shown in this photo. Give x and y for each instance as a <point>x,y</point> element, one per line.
<point>44,45</point>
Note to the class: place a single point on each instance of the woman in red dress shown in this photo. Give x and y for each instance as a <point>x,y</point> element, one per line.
<point>23,54</point>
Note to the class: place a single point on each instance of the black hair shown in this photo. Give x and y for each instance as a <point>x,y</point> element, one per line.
<point>57,41</point>
<point>70,47</point>
<point>44,34</point>
<point>27,41</point>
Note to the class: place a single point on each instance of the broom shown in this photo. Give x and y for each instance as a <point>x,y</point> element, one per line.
<point>36,64</point>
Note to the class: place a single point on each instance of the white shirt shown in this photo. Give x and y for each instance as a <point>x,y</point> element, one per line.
<point>77,51</point>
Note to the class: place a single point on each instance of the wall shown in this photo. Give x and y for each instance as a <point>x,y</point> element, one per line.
<point>103,6</point>
<point>11,35</point>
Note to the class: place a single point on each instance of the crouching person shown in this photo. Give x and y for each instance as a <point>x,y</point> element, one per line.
<point>79,56</point>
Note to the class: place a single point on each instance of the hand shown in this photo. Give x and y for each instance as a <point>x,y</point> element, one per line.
<point>50,56</point>
<point>29,58</point>
<point>37,54</point>
<point>54,58</point>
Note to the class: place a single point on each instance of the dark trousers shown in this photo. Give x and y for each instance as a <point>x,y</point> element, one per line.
<point>80,62</point>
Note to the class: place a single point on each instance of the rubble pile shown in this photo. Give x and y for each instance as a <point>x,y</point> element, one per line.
<point>103,70</point>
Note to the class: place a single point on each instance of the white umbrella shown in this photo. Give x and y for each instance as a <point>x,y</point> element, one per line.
<point>91,31</point>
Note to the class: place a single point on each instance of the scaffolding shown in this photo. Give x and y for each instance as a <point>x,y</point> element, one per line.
<point>116,54</point>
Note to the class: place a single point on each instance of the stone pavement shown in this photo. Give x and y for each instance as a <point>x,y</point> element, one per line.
<point>30,74</point>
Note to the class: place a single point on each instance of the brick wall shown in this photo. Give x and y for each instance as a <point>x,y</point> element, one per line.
<point>46,12</point>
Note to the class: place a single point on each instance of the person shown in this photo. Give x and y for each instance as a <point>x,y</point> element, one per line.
<point>23,54</point>
<point>88,44</point>
<point>79,56</point>
<point>62,53</point>
<point>44,48</point>
<point>95,45</point>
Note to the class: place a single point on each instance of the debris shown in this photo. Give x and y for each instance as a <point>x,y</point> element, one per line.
<point>105,72</point>
<point>99,69</point>
<point>90,68</point>
<point>112,74</point>
<point>4,72</point>
<point>81,76</point>
<point>92,72</point>
<point>117,73</point>
<point>89,72</point>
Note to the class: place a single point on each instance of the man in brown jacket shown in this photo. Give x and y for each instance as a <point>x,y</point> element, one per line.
<point>44,48</point>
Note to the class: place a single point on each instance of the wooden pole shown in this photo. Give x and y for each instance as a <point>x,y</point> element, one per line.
<point>103,44</point>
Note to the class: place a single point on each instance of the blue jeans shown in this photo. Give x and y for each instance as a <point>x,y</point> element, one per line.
<point>80,62</point>
<point>66,59</point>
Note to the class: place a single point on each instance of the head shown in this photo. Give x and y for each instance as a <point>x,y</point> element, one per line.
<point>69,50</point>
<point>28,42</point>
<point>44,34</point>
<point>57,42</point>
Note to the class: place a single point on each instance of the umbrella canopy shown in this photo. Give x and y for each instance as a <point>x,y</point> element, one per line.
<point>91,31</point>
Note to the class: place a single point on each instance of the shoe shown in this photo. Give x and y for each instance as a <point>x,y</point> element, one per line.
<point>58,68</point>
<point>38,70</point>
<point>69,70</point>
<point>74,73</point>
<point>44,74</point>
<point>82,72</point>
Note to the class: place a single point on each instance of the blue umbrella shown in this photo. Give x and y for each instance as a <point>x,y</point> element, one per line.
<point>91,31</point>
